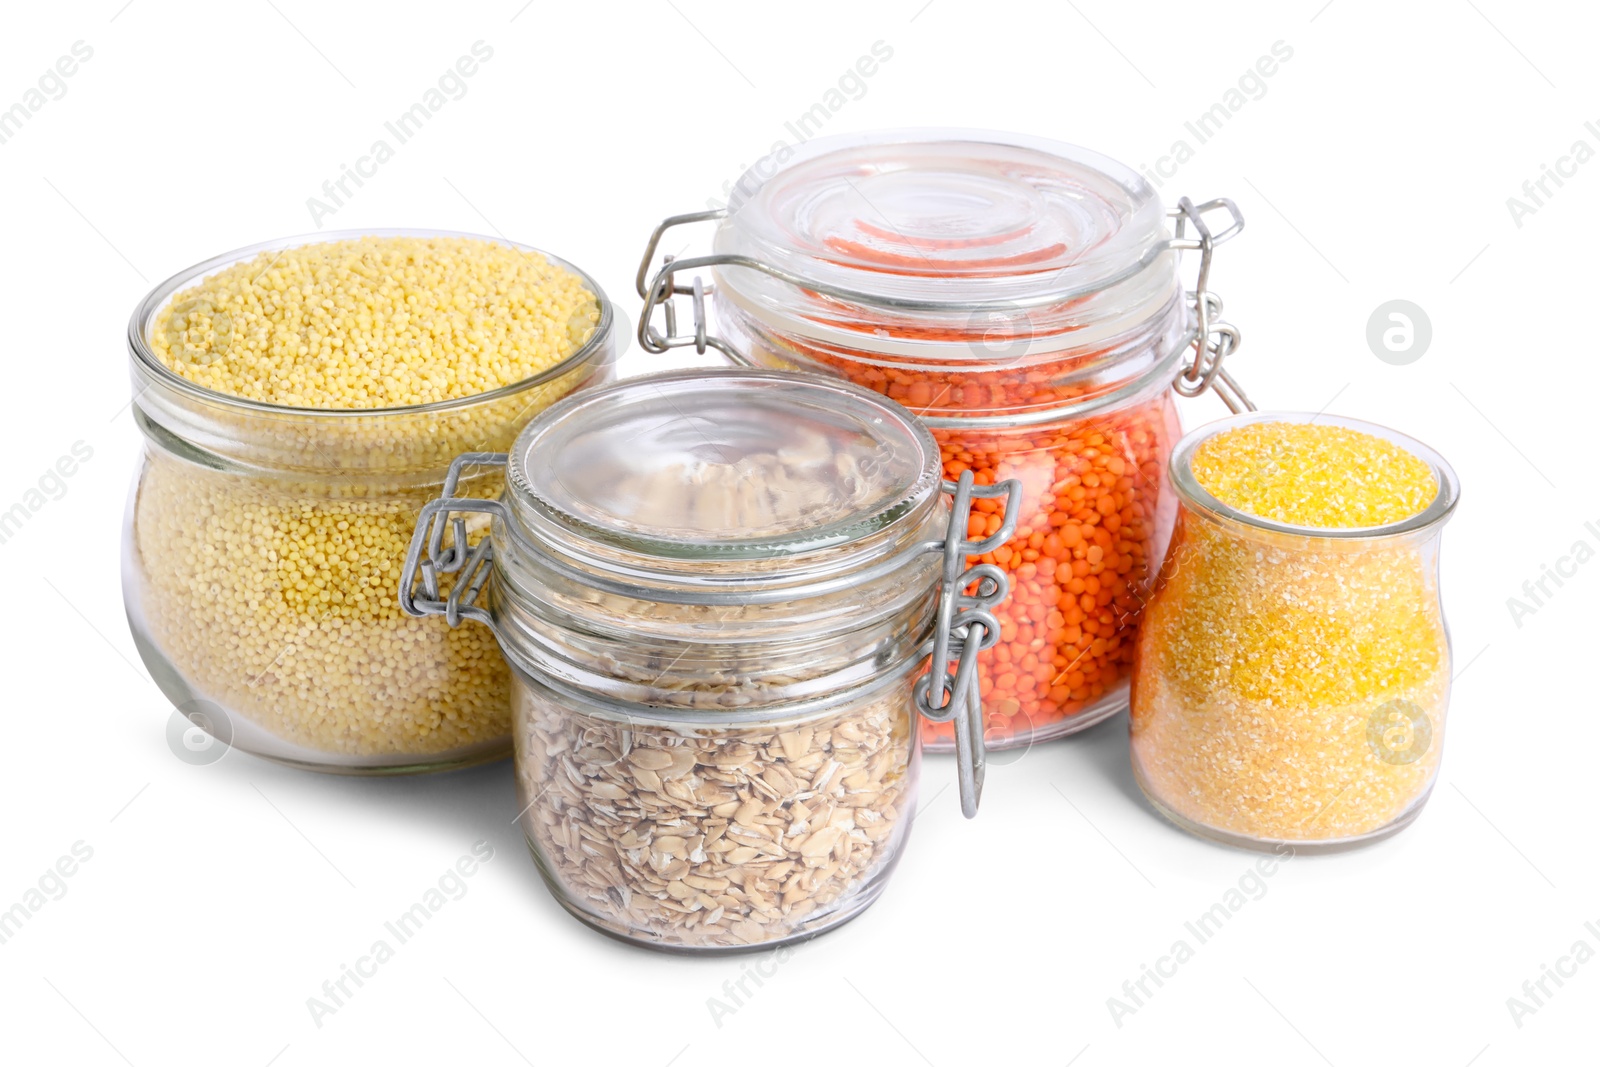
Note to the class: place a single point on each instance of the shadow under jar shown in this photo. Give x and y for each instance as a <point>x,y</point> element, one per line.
<point>1022,297</point>
<point>262,542</point>
<point>1292,680</point>
<point>716,590</point>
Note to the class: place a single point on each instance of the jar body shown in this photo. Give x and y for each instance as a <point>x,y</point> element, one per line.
<point>1096,515</point>
<point>677,832</point>
<point>715,777</point>
<point>1291,689</point>
<point>260,562</point>
<point>265,600</point>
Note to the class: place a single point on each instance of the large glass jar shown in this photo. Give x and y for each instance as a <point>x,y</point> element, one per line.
<point>262,546</point>
<point>1291,681</point>
<point>716,590</point>
<point>1023,298</point>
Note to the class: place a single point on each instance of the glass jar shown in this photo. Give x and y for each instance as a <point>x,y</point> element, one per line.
<point>262,544</point>
<point>1291,682</point>
<point>1023,298</point>
<point>715,589</point>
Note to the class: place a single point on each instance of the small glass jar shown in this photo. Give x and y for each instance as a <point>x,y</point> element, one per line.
<point>1291,682</point>
<point>262,544</point>
<point>1023,298</point>
<point>715,589</point>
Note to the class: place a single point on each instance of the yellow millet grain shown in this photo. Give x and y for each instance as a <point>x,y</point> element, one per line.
<point>277,600</point>
<point>1310,474</point>
<point>274,594</point>
<point>1266,659</point>
<point>375,322</point>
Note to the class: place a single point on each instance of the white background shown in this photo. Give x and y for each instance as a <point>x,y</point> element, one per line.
<point>1376,166</point>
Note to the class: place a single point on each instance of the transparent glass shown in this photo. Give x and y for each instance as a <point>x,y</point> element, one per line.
<point>715,772</point>
<point>714,718</point>
<point>694,832</point>
<point>1090,446</point>
<point>1096,516</point>
<point>1291,684</point>
<point>262,550</point>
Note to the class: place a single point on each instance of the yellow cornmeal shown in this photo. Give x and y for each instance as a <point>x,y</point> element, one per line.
<point>375,322</point>
<point>275,594</point>
<point>1307,474</point>
<point>1265,659</point>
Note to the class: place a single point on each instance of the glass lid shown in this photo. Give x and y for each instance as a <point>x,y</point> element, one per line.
<point>946,218</point>
<point>721,463</point>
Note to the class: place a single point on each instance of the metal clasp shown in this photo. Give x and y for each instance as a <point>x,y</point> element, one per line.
<point>943,696</point>
<point>659,290</point>
<point>1214,340</point>
<point>428,556</point>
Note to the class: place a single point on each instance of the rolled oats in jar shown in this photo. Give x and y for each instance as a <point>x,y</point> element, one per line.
<point>301,400</point>
<point>717,591</point>
<point>1023,298</point>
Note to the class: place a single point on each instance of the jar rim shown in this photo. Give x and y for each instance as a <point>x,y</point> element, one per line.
<point>1196,496</point>
<point>144,313</point>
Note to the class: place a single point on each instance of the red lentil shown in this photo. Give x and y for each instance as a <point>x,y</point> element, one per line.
<point>1093,527</point>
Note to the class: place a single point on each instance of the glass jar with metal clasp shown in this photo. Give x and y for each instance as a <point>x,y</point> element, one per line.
<point>716,590</point>
<point>1024,299</point>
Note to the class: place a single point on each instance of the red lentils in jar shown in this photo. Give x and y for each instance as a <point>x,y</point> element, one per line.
<point>1023,298</point>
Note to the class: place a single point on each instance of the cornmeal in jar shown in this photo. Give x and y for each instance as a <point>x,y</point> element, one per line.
<point>1292,686</point>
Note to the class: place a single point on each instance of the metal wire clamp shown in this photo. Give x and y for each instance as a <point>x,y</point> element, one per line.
<point>1214,340</point>
<point>943,696</point>
<point>428,557</point>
